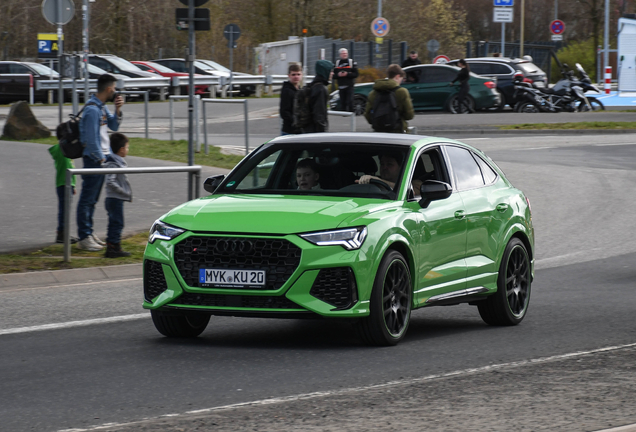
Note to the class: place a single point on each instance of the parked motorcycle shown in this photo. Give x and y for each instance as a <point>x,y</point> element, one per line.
<point>568,95</point>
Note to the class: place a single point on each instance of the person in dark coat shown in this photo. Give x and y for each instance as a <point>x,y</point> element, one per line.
<point>318,98</point>
<point>286,108</point>
<point>462,77</point>
<point>412,60</point>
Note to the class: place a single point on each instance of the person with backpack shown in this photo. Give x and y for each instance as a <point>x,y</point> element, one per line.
<point>389,106</point>
<point>94,125</point>
<point>346,72</point>
<point>287,96</point>
<point>310,104</point>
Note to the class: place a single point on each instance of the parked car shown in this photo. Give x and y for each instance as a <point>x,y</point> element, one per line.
<point>14,88</point>
<point>117,65</point>
<point>243,89</point>
<point>429,88</point>
<point>504,70</point>
<point>438,225</point>
<point>164,71</point>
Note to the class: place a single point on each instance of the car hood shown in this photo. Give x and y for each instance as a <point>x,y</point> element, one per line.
<point>272,214</point>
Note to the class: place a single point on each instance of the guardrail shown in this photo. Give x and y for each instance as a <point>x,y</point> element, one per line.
<point>345,114</point>
<point>194,175</point>
<point>197,120</point>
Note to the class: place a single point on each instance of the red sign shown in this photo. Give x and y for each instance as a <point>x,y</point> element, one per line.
<point>441,59</point>
<point>557,27</point>
<point>380,27</point>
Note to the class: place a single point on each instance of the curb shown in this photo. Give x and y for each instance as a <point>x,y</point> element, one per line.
<point>55,277</point>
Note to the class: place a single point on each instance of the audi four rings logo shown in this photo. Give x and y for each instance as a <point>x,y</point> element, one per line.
<point>234,246</point>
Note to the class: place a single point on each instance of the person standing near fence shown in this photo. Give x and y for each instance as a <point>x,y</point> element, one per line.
<point>94,125</point>
<point>463,76</point>
<point>118,190</point>
<point>346,72</point>
<point>318,98</point>
<point>287,94</point>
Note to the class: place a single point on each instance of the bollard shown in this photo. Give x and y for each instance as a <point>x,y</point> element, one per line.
<point>171,120</point>
<point>608,79</point>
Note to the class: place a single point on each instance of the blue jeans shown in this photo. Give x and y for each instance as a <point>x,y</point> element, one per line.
<point>91,188</point>
<point>60,207</point>
<point>115,210</point>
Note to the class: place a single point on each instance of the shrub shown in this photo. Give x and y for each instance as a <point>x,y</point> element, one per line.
<point>582,52</point>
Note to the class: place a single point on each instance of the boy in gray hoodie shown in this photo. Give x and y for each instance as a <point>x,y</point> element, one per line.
<point>118,190</point>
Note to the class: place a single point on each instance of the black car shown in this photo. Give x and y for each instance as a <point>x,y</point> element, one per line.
<point>16,88</point>
<point>118,66</point>
<point>504,70</point>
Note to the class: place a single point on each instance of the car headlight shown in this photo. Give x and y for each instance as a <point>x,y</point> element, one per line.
<point>350,238</point>
<point>163,231</point>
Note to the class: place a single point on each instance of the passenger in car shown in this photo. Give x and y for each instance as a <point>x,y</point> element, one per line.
<point>307,174</point>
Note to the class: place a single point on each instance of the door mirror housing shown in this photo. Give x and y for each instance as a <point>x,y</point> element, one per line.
<point>434,190</point>
<point>211,183</point>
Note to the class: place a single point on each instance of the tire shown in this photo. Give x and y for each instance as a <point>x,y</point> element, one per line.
<point>359,104</point>
<point>526,107</point>
<point>509,305</point>
<point>179,326</point>
<point>390,306</point>
<point>453,107</point>
<point>596,104</point>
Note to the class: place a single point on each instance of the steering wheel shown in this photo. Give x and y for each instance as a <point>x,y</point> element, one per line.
<point>378,182</point>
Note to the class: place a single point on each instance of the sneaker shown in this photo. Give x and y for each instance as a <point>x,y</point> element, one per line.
<point>60,238</point>
<point>88,244</point>
<point>113,250</point>
<point>98,240</point>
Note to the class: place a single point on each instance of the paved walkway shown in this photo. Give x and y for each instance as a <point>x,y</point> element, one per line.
<point>28,210</point>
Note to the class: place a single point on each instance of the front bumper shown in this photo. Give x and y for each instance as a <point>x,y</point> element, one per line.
<point>302,279</point>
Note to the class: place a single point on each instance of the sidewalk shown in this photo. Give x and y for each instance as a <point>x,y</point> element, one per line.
<point>55,277</point>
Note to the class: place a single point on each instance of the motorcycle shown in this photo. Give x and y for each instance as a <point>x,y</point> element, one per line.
<point>568,95</point>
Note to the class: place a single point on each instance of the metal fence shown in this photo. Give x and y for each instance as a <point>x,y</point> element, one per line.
<point>194,177</point>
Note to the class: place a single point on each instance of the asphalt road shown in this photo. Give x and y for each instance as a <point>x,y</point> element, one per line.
<point>545,374</point>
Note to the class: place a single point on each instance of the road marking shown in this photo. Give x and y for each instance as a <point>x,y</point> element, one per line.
<point>314,395</point>
<point>474,139</point>
<point>2,291</point>
<point>70,324</point>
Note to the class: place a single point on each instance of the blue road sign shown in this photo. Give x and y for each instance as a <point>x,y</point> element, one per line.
<point>504,2</point>
<point>380,27</point>
<point>44,46</point>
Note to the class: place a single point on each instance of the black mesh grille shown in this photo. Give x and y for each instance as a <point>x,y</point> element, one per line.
<point>277,257</point>
<point>335,286</point>
<point>154,280</point>
<point>236,301</point>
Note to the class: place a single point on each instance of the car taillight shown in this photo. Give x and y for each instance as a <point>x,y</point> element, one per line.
<point>490,84</point>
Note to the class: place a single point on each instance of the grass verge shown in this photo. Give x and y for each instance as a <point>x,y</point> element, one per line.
<point>597,125</point>
<point>176,151</point>
<point>52,257</point>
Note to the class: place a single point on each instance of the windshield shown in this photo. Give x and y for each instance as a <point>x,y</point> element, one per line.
<point>95,70</point>
<point>122,64</point>
<point>214,65</point>
<point>330,169</point>
<point>159,68</point>
<point>42,70</point>
<point>530,68</point>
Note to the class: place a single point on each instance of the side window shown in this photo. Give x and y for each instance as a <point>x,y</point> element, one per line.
<point>4,68</point>
<point>480,68</point>
<point>501,69</point>
<point>466,170</point>
<point>143,67</point>
<point>440,75</point>
<point>19,69</point>
<point>429,166</point>
<point>489,174</point>
<point>99,63</point>
<point>177,66</point>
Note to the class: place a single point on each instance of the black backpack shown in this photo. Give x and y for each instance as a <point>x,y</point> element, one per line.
<point>384,113</point>
<point>68,136</point>
<point>302,108</point>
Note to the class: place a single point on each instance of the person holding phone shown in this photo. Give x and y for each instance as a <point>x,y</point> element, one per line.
<point>94,125</point>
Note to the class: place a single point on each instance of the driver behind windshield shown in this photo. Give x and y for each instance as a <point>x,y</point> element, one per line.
<point>390,167</point>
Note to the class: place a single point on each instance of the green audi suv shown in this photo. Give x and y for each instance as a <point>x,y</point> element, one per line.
<point>358,226</point>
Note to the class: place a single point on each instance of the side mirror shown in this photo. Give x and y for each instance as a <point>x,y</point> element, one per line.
<point>434,190</point>
<point>211,183</point>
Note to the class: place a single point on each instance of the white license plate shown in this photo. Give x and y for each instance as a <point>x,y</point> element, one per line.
<point>227,278</point>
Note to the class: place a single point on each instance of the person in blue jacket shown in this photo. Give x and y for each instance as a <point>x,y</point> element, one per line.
<point>94,125</point>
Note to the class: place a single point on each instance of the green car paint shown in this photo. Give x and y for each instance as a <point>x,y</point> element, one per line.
<point>453,247</point>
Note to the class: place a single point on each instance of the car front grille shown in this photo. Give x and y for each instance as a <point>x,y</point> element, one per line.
<point>279,258</point>
<point>235,301</point>
<point>154,280</point>
<point>336,286</point>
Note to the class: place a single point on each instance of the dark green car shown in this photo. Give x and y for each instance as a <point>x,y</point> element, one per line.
<point>386,223</point>
<point>429,90</point>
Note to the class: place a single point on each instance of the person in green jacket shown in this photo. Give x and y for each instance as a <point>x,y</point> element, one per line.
<point>62,163</point>
<point>395,75</point>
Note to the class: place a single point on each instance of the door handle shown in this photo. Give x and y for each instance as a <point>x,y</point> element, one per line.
<point>502,207</point>
<point>459,214</point>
